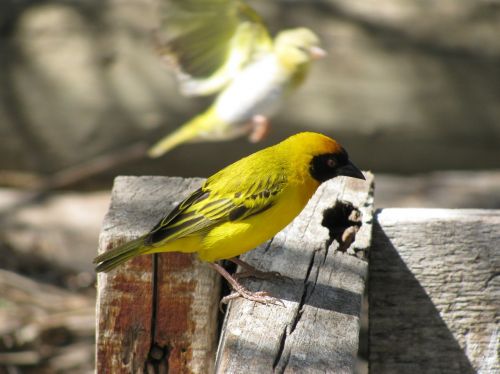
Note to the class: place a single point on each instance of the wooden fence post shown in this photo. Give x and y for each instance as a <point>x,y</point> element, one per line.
<point>434,292</point>
<point>161,320</point>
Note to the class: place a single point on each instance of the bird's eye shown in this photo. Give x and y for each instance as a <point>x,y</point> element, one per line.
<point>331,163</point>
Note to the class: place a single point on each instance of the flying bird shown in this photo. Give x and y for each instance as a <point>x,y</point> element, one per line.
<point>223,47</point>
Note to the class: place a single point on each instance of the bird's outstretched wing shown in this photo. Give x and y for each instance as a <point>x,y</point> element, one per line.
<point>206,208</point>
<point>210,41</point>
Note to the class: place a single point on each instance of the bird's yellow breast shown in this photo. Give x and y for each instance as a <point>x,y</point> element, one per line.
<point>234,238</point>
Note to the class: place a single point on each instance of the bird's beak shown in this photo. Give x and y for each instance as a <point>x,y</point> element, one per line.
<point>317,53</point>
<point>351,170</point>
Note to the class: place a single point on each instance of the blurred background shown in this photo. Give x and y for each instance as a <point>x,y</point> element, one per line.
<point>411,88</point>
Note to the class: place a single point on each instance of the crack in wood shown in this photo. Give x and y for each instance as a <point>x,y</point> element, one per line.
<point>283,353</point>
<point>268,246</point>
<point>281,348</point>
<point>304,296</point>
<point>490,278</point>
<point>158,355</point>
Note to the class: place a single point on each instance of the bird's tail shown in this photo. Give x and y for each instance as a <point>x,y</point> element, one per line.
<point>200,127</point>
<point>117,256</point>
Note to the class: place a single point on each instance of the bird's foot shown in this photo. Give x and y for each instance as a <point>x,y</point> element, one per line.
<point>240,291</point>
<point>260,127</point>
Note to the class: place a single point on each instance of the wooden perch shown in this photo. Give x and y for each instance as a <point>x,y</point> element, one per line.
<point>434,291</point>
<point>162,316</point>
<point>318,329</point>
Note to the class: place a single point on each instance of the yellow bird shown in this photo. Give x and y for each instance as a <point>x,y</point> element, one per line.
<point>242,206</point>
<point>223,47</point>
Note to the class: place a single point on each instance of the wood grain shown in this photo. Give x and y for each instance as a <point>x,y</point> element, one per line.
<point>435,291</point>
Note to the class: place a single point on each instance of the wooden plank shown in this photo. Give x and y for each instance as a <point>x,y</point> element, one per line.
<point>435,291</point>
<point>317,330</point>
<point>172,329</point>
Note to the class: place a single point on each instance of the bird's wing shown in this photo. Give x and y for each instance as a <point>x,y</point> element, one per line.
<point>209,41</point>
<point>206,208</point>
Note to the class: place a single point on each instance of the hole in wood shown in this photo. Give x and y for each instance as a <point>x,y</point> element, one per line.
<point>343,222</point>
<point>157,353</point>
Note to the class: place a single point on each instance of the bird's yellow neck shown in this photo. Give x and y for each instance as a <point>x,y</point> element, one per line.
<point>295,65</point>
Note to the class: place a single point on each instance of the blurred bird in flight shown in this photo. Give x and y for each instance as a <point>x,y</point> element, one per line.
<point>242,206</point>
<point>223,47</point>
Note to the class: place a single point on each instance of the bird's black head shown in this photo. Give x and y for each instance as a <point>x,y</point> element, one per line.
<point>330,165</point>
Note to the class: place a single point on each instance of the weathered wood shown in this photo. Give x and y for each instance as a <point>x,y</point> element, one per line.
<point>317,330</point>
<point>434,291</point>
<point>172,329</point>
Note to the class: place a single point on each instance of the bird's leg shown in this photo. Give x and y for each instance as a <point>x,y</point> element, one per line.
<point>259,128</point>
<point>251,271</point>
<point>240,291</point>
